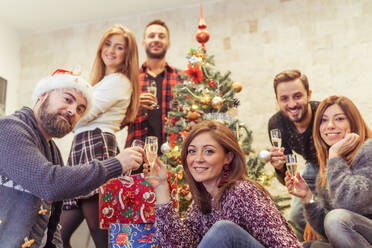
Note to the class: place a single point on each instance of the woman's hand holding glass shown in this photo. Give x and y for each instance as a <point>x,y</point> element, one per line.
<point>157,176</point>
<point>298,187</point>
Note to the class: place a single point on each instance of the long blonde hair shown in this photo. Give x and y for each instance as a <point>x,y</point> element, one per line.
<point>357,125</point>
<point>130,68</point>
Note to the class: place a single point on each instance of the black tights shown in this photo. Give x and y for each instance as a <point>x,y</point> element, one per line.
<point>71,220</point>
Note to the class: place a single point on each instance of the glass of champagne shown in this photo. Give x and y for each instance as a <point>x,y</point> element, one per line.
<point>135,143</point>
<point>291,164</point>
<point>276,139</point>
<point>151,149</point>
<point>151,88</point>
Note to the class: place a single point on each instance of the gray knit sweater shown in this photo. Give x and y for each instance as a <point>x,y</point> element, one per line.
<point>349,187</point>
<point>32,180</point>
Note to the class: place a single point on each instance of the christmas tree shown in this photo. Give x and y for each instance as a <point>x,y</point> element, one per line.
<point>206,94</point>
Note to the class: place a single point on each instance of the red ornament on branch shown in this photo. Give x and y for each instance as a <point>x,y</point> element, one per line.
<point>202,36</point>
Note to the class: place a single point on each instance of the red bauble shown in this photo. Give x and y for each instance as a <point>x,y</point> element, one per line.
<point>202,36</point>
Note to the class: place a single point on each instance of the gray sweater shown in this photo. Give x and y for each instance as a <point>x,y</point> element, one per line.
<point>32,179</point>
<point>349,187</point>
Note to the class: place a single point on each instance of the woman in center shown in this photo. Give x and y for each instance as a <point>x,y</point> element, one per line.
<point>228,209</point>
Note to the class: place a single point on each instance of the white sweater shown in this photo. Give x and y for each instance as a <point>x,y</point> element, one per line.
<point>111,99</point>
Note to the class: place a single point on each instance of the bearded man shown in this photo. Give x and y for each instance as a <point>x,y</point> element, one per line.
<point>33,180</point>
<point>295,121</point>
<point>151,120</point>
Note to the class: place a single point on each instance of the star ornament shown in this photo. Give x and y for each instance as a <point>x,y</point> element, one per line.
<point>195,73</point>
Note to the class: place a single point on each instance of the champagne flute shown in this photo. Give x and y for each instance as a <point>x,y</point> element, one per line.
<point>135,143</point>
<point>276,139</point>
<point>291,164</point>
<point>151,149</point>
<point>151,88</point>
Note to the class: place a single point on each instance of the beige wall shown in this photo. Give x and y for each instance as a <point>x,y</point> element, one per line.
<point>329,40</point>
<point>10,64</point>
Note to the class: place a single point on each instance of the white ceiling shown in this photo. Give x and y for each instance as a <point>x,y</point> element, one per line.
<point>35,16</point>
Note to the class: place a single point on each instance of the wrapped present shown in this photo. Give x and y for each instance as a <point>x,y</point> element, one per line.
<point>132,235</point>
<point>130,201</point>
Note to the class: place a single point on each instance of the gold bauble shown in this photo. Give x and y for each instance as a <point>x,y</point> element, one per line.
<point>237,86</point>
<point>217,102</point>
<point>193,115</point>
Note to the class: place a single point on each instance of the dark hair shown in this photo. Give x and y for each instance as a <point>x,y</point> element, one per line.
<point>238,171</point>
<point>157,22</point>
<point>357,125</point>
<point>290,75</point>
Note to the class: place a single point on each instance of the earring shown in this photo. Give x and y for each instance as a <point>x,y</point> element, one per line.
<point>226,173</point>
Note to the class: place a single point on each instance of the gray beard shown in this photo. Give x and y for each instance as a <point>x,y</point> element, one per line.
<point>53,126</point>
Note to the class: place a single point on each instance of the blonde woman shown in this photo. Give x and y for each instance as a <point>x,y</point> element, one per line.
<point>114,78</point>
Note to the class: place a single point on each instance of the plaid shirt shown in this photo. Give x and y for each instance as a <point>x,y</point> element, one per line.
<point>138,129</point>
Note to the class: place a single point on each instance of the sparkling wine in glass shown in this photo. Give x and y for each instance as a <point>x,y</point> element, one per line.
<point>276,137</point>
<point>135,143</point>
<point>151,88</point>
<point>291,164</point>
<point>151,149</point>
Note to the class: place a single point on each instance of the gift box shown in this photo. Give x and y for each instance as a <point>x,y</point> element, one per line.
<point>130,201</point>
<point>132,235</point>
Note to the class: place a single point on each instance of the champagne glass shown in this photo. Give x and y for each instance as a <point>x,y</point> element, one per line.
<point>135,143</point>
<point>151,149</point>
<point>291,163</point>
<point>276,139</point>
<point>151,88</point>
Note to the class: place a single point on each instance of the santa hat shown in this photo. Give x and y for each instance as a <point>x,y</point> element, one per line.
<point>62,79</point>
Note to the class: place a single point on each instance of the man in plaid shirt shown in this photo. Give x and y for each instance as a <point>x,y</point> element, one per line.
<point>151,117</point>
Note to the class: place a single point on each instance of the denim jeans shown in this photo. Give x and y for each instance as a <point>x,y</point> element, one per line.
<point>295,215</point>
<point>345,228</point>
<point>227,234</point>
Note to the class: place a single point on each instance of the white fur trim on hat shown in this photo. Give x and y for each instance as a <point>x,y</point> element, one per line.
<point>65,81</point>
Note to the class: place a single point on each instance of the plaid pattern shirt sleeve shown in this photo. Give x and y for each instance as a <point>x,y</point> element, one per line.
<point>138,129</point>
